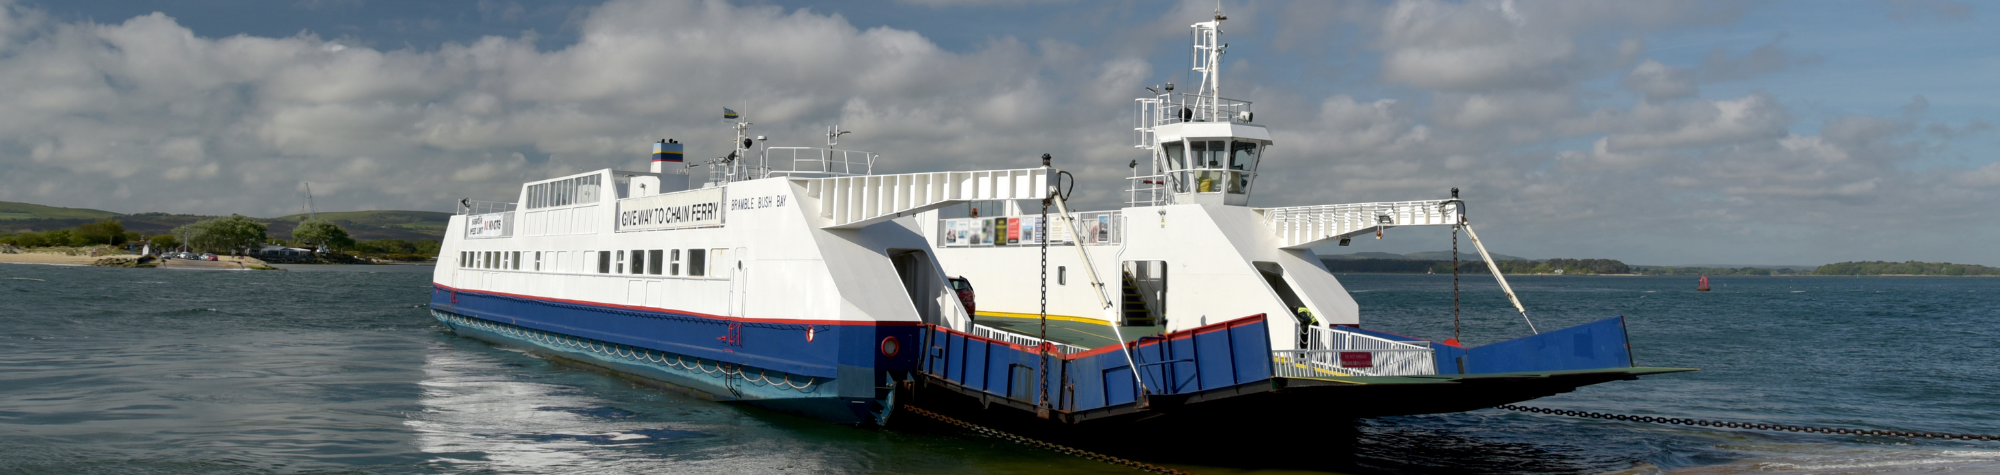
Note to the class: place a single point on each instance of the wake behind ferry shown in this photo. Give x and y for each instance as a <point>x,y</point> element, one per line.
<point>796,279</point>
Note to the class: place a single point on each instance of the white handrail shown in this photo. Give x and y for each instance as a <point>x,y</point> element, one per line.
<point>984,331</point>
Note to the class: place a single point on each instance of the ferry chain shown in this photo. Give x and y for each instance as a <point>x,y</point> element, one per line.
<point>1753,426</point>
<point>1044,445</point>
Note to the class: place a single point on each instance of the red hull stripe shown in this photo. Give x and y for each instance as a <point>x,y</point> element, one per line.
<point>680,312</point>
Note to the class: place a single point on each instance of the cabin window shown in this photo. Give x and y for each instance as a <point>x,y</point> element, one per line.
<point>675,268</point>
<point>462,259</point>
<point>639,262</point>
<point>517,260</point>
<point>603,262</point>
<point>697,262</point>
<point>653,256</point>
<point>621,263</point>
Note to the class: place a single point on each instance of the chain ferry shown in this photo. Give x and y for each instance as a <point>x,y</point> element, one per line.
<point>796,279</point>
<point>783,281</point>
<point>1188,306</point>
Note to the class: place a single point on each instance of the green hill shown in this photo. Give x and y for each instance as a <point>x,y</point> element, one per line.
<point>362,225</point>
<point>1904,268</point>
<point>12,211</point>
<point>1420,256</point>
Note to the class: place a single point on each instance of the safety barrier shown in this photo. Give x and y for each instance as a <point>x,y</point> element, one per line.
<point>984,331</point>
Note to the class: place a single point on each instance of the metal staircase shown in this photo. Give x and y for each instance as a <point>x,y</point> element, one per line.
<point>1136,312</point>
<point>1300,227</point>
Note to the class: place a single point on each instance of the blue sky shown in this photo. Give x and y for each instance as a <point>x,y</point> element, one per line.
<point>1653,132</point>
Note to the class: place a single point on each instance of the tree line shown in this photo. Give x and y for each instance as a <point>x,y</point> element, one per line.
<point>1904,268</point>
<point>222,235</point>
<point>1550,266</point>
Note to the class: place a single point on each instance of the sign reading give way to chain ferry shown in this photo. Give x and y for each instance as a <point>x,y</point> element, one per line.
<point>686,209</point>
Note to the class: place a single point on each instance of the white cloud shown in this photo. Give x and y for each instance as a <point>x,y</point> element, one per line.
<point>1659,82</point>
<point>1516,103</point>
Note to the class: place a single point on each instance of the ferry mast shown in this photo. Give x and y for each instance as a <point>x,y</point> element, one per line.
<point>1204,148</point>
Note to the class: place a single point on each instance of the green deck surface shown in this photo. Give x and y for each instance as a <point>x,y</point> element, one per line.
<point>1087,335</point>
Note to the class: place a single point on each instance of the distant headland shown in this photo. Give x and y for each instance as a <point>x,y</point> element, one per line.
<point>1438,262</point>
<point>46,234</point>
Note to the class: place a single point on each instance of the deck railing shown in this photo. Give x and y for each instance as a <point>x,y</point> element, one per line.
<point>984,331</point>
<point>1335,352</point>
<point>817,162</point>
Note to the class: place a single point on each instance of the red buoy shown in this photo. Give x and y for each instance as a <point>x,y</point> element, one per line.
<point>1703,286</point>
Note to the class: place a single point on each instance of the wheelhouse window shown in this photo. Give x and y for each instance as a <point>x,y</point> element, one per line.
<point>1243,161</point>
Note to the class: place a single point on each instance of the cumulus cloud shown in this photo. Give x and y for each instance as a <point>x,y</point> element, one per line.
<point>1519,104</point>
<point>1660,82</point>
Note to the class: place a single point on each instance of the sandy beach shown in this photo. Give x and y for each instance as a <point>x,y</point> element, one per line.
<point>84,260</point>
<point>53,258</point>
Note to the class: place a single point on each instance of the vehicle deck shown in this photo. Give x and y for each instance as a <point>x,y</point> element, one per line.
<point>1083,333</point>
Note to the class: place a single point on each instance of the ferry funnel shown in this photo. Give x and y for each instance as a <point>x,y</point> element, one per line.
<point>666,151</point>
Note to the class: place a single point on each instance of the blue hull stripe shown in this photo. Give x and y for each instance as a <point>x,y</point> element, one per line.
<point>816,397</point>
<point>820,349</point>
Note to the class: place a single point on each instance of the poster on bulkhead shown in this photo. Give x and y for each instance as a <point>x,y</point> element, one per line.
<point>1030,230</point>
<point>1013,230</point>
<point>985,232</point>
<point>951,232</point>
<point>1104,229</point>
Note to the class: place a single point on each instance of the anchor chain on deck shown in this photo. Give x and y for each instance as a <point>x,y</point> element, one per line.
<point>1044,445</point>
<point>1753,425</point>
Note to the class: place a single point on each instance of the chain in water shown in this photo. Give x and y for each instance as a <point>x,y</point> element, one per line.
<point>1044,445</point>
<point>1753,425</point>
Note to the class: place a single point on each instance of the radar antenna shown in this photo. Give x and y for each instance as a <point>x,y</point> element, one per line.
<point>833,135</point>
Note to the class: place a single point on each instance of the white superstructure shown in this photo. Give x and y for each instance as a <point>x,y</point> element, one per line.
<point>1187,250</point>
<point>785,269</point>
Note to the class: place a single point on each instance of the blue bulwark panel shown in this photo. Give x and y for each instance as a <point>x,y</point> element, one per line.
<point>1214,360</point>
<point>1447,357</point>
<point>1212,357</point>
<point>1252,348</point>
<point>1596,345</point>
<point>1118,388</point>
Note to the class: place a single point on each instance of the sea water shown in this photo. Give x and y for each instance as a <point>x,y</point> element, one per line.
<point>341,369</point>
